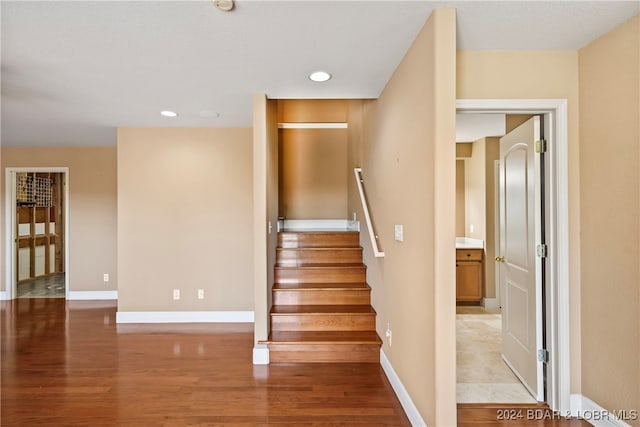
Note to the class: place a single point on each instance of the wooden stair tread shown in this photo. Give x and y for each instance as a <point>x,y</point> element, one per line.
<point>324,337</point>
<point>320,309</point>
<point>319,266</point>
<point>317,286</point>
<point>320,248</point>
<point>318,231</point>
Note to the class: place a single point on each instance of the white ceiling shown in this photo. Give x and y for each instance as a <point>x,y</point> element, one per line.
<point>473,126</point>
<point>72,72</point>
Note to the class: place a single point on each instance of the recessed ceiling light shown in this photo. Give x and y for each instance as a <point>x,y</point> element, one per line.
<point>224,5</point>
<point>209,114</point>
<point>168,113</point>
<point>319,76</point>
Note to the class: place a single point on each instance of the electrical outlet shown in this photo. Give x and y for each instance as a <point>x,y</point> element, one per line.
<point>389,334</point>
<point>176,294</point>
<point>105,277</point>
<point>200,293</point>
<point>472,229</point>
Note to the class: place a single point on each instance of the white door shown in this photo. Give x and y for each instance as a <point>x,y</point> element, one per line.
<point>519,274</point>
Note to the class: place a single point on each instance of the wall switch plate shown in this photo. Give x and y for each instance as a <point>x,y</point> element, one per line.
<point>105,277</point>
<point>200,293</point>
<point>176,294</point>
<point>472,229</point>
<point>399,232</point>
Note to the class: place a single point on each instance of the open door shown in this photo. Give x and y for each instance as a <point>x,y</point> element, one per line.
<point>520,272</point>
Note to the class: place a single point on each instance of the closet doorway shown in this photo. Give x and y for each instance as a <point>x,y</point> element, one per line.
<point>38,224</point>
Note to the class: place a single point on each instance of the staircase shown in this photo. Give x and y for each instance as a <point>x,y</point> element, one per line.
<point>321,302</point>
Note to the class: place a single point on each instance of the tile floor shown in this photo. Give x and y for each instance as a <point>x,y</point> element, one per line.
<point>43,287</point>
<point>483,377</point>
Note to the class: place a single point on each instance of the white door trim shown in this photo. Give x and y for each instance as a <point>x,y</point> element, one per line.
<point>559,368</point>
<point>10,226</point>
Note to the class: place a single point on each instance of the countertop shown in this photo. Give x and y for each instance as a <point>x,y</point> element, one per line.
<point>469,243</point>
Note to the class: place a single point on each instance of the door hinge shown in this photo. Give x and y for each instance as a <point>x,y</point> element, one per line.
<point>541,146</point>
<point>543,356</point>
<point>541,251</point>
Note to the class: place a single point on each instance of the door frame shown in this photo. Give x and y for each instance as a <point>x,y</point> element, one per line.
<point>10,280</point>
<point>558,307</point>
<point>496,229</point>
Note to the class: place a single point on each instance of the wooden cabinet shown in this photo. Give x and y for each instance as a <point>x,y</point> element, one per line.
<point>469,283</point>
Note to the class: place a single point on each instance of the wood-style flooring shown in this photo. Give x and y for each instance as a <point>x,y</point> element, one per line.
<point>512,415</point>
<point>68,364</point>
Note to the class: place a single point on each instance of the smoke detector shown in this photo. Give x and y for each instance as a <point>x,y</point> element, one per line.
<point>224,5</point>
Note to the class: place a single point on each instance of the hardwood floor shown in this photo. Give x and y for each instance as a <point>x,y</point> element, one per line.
<point>68,363</point>
<point>512,415</point>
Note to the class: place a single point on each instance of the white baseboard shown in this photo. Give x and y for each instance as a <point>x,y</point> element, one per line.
<point>405,400</point>
<point>92,295</point>
<point>4,295</point>
<point>596,415</point>
<point>320,224</point>
<point>185,317</point>
<point>260,354</point>
<point>491,303</point>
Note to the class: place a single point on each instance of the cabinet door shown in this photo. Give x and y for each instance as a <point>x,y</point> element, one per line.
<point>468,281</point>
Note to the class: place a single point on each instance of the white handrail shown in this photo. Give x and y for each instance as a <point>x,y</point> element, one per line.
<point>367,216</point>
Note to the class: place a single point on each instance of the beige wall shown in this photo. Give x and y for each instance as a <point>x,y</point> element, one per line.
<point>464,149</point>
<point>265,208</point>
<point>518,74</point>
<point>492,153</point>
<point>313,162</point>
<point>460,196</point>
<point>312,110</point>
<point>92,208</point>
<point>185,219</point>
<point>313,173</point>
<point>512,121</point>
<point>475,192</point>
<point>408,157</point>
<point>480,203</point>
<point>610,206</point>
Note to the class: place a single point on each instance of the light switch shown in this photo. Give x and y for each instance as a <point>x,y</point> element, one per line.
<point>399,233</point>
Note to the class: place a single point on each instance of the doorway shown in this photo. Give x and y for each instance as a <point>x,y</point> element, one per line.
<point>555,311</point>
<point>497,338</point>
<point>37,233</point>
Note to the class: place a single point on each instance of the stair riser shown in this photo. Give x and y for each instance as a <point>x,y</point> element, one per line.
<point>321,275</point>
<point>323,322</point>
<point>322,297</point>
<point>320,240</point>
<point>324,353</point>
<point>295,257</point>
